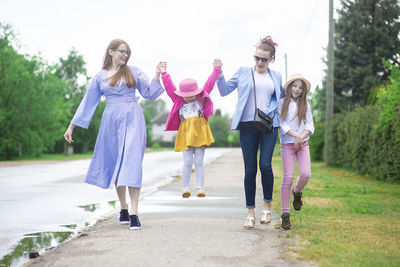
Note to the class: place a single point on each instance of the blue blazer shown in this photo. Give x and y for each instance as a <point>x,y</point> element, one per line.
<point>243,81</point>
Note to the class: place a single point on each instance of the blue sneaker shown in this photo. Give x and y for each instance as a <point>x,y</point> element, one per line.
<point>124,217</point>
<point>135,223</point>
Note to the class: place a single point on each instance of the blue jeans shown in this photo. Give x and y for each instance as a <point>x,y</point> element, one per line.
<point>251,139</point>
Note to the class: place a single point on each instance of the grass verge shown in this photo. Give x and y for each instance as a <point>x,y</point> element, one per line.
<point>51,157</point>
<point>46,157</point>
<point>346,220</point>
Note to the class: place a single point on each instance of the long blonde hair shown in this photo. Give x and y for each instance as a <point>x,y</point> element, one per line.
<point>124,73</point>
<point>301,102</point>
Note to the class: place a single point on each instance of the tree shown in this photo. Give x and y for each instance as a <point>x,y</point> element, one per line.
<point>151,109</point>
<point>73,72</point>
<point>154,108</point>
<point>220,128</point>
<point>30,101</point>
<point>366,31</point>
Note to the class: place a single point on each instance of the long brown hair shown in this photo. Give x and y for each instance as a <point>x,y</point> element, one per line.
<point>301,102</point>
<point>267,44</point>
<point>124,73</point>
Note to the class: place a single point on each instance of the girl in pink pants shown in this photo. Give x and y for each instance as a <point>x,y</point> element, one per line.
<point>296,124</point>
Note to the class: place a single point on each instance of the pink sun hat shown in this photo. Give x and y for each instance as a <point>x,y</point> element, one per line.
<point>188,88</point>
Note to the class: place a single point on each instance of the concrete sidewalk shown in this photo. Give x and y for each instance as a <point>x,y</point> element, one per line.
<point>195,232</point>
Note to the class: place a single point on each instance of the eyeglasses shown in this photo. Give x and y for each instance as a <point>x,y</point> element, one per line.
<point>263,59</point>
<point>123,52</point>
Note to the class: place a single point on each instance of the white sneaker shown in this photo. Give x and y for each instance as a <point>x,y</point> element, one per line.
<point>200,191</point>
<point>186,193</point>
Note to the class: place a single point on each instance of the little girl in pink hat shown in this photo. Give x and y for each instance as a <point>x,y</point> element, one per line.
<point>189,115</point>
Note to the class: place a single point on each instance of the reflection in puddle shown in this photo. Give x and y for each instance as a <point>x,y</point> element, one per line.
<point>70,226</point>
<point>90,207</point>
<point>33,242</point>
<point>113,203</point>
<point>43,240</point>
<point>97,207</point>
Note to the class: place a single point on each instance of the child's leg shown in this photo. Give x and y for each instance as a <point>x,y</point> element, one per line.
<point>187,166</point>
<point>199,165</point>
<point>304,163</point>
<point>287,153</point>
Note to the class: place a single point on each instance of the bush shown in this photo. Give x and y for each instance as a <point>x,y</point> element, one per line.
<point>367,139</point>
<point>156,145</point>
<point>350,137</point>
<point>316,142</point>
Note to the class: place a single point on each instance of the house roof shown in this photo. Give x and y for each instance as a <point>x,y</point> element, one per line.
<point>161,118</point>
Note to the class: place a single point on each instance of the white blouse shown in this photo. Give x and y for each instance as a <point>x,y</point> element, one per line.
<point>291,122</point>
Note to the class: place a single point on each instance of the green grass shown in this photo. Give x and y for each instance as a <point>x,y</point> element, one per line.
<point>52,157</point>
<point>71,157</point>
<point>346,220</point>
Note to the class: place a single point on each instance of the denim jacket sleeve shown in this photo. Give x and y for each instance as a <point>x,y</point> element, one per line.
<point>225,88</point>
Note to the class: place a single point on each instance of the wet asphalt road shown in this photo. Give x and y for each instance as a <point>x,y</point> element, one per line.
<point>52,197</point>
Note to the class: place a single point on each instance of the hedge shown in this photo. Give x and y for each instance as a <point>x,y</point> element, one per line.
<point>357,142</point>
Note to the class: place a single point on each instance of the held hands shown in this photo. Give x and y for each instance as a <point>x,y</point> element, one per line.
<point>299,139</point>
<point>68,133</point>
<point>162,67</point>
<point>217,63</point>
<point>298,142</point>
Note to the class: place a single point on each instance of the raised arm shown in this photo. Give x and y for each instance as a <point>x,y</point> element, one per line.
<point>148,90</point>
<point>225,88</point>
<point>168,84</point>
<point>209,85</point>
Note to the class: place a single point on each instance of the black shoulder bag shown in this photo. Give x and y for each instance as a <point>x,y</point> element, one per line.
<point>261,120</point>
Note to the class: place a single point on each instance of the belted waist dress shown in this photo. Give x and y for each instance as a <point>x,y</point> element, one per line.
<point>121,142</point>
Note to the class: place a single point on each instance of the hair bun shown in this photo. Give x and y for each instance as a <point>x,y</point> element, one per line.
<point>268,40</point>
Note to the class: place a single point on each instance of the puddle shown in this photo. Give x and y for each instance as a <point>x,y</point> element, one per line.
<point>90,207</point>
<point>33,242</point>
<point>41,241</point>
<point>99,206</point>
<point>70,226</point>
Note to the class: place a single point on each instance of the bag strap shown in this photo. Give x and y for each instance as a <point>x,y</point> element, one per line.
<point>254,90</point>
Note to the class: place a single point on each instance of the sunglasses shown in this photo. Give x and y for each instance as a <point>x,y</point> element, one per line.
<point>263,59</point>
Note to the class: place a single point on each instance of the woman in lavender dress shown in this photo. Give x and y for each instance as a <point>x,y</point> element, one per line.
<point>121,142</point>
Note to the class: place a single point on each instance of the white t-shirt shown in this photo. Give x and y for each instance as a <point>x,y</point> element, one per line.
<point>190,110</point>
<point>264,91</point>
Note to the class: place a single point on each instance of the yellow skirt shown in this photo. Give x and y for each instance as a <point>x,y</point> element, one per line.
<point>193,132</point>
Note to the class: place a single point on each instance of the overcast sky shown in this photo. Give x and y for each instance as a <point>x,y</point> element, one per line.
<point>186,34</point>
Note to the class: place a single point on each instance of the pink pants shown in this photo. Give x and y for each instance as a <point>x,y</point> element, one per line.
<point>288,154</point>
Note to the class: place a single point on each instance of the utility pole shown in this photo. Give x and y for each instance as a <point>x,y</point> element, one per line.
<point>285,67</point>
<point>329,83</point>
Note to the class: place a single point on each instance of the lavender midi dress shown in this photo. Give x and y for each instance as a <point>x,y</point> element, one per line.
<point>121,142</point>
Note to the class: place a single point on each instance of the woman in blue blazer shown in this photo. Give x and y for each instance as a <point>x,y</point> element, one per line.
<point>268,86</point>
